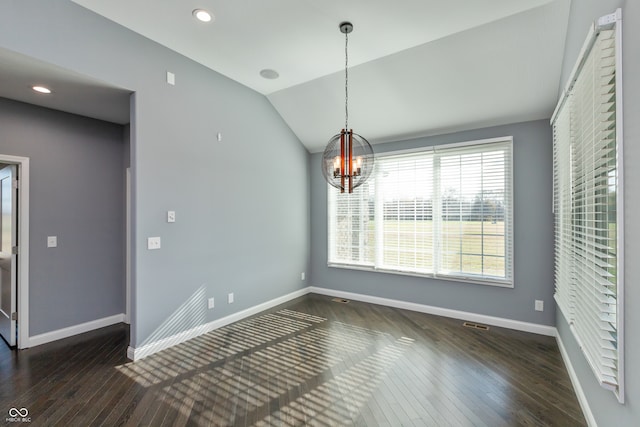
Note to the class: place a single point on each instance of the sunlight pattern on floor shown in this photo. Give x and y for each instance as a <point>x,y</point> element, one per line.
<point>338,401</point>
<point>215,345</point>
<point>339,365</point>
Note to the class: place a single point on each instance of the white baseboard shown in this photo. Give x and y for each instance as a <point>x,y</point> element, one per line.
<point>74,330</point>
<point>582,398</point>
<point>439,311</point>
<point>148,349</point>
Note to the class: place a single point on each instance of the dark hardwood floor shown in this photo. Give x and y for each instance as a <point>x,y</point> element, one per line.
<point>308,362</point>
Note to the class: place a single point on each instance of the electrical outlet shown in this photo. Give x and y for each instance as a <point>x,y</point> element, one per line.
<point>302,276</point>
<point>539,306</point>
<point>211,303</point>
<point>153,243</point>
<point>171,216</point>
<point>230,298</point>
<point>52,241</point>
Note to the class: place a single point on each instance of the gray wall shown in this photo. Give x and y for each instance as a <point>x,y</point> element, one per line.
<point>76,193</point>
<point>242,205</point>
<point>533,221</point>
<point>604,405</point>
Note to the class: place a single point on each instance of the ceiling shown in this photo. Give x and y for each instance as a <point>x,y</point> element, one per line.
<point>417,67</point>
<point>74,93</point>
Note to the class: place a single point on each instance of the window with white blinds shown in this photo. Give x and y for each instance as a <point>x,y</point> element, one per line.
<point>587,206</point>
<point>441,212</point>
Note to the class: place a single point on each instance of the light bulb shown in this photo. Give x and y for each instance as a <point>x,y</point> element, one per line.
<point>202,15</point>
<point>41,89</point>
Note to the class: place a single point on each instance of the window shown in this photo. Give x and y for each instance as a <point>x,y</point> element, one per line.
<point>588,205</point>
<point>442,212</point>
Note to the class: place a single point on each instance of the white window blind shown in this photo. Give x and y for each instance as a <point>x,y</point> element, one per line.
<point>443,212</point>
<point>587,205</point>
<point>351,237</point>
<point>404,190</point>
<point>476,203</point>
<point>562,161</point>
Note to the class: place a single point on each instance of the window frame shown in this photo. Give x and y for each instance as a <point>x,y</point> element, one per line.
<point>438,150</point>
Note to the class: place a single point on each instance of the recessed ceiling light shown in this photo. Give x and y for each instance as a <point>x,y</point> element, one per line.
<point>270,74</point>
<point>41,89</point>
<point>202,15</point>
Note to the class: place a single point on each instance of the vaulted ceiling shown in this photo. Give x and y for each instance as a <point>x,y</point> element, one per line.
<point>417,67</point>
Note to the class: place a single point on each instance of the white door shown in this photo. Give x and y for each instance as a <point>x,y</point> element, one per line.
<point>8,237</point>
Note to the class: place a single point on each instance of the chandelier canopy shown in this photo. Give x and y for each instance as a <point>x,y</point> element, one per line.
<point>347,160</point>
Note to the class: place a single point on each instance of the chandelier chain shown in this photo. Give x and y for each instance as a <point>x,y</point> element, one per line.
<point>346,81</point>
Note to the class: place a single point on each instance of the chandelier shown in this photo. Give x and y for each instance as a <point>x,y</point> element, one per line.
<point>347,160</point>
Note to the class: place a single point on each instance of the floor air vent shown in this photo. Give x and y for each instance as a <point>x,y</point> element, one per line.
<point>341,300</point>
<point>475,326</point>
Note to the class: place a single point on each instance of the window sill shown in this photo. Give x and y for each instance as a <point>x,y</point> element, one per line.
<point>469,280</point>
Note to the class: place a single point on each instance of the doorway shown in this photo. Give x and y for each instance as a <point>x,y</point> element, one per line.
<point>14,250</point>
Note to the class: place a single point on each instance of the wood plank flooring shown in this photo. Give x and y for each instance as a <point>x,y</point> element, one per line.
<point>311,362</point>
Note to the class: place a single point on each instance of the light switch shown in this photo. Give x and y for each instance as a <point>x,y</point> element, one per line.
<point>171,216</point>
<point>52,241</point>
<point>171,78</point>
<point>153,243</point>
